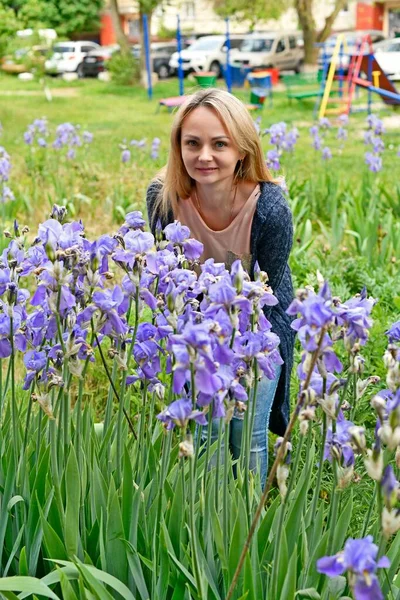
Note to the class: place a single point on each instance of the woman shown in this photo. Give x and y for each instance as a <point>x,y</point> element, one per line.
<point>216,182</point>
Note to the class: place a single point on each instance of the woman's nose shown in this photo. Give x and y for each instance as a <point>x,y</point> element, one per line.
<point>205,154</point>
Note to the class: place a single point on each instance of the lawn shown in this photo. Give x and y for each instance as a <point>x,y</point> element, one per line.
<point>89,486</point>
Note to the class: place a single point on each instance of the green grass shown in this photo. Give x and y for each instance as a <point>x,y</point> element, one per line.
<point>97,188</point>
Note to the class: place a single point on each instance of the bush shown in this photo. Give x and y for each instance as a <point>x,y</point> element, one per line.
<point>124,68</point>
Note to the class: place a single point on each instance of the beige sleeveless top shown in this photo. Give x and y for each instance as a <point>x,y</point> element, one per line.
<point>228,244</point>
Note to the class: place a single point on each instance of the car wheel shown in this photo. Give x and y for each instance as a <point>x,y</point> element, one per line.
<point>80,71</point>
<point>163,71</point>
<point>215,67</point>
<point>299,68</point>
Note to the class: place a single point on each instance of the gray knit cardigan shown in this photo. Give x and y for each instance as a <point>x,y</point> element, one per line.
<point>271,242</point>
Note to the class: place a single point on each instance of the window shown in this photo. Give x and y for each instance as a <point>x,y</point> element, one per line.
<point>256,45</point>
<point>206,44</point>
<point>236,44</point>
<point>63,49</point>
<point>292,42</point>
<point>133,28</point>
<point>281,47</point>
<point>189,10</point>
<point>394,47</point>
<point>87,48</point>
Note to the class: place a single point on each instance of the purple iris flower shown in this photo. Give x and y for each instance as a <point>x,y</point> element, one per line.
<point>324,123</point>
<point>109,301</point>
<point>355,315</point>
<point>179,413</point>
<point>317,142</point>
<point>87,137</point>
<point>50,232</point>
<point>277,133</point>
<point>373,161</point>
<point>339,442</point>
<point>125,156</point>
<point>394,332</point>
<point>389,486</point>
<point>326,153</point>
<point>375,124</point>
<point>316,312</point>
<point>192,249</point>
<point>273,160</point>
<point>135,220</point>
<point>359,559</point>
<point>342,134</point>
<point>138,241</point>
<point>176,232</point>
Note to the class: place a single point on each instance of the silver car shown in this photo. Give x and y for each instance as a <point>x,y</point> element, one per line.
<point>283,51</point>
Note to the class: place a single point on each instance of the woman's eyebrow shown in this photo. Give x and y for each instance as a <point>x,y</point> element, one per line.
<point>195,137</point>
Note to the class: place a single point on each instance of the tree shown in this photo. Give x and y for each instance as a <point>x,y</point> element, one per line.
<point>9,24</point>
<point>251,11</point>
<point>146,7</point>
<point>65,16</point>
<point>307,23</point>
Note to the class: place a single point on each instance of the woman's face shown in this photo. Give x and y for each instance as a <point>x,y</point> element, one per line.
<point>209,153</point>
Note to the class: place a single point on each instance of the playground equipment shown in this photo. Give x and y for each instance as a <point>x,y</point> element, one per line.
<point>260,82</point>
<point>363,72</point>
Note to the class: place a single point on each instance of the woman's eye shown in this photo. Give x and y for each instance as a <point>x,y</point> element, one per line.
<point>192,143</point>
<point>220,144</point>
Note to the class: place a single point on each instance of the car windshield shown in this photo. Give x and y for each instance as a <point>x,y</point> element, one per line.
<point>257,45</point>
<point>206,44</point>
<point>63,49</point>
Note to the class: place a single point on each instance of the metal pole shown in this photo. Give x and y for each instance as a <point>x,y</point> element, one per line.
<point>369,75</point>
<point>179,44</point>
<point>147,56</point>
<point>228,66</point>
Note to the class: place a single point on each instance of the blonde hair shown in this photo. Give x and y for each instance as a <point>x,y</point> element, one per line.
<point>176,182</point>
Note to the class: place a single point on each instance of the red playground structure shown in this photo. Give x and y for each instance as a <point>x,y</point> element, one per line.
<point>364,72</point>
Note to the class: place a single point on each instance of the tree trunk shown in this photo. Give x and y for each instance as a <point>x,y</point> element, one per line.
<point>122,40</point>
<point>307,24</point>
<point>329,21</point>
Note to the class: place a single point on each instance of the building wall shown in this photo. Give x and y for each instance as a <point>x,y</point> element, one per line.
<point>197,16</point>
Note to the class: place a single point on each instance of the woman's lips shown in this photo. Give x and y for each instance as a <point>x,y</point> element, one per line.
<point>206,170</point>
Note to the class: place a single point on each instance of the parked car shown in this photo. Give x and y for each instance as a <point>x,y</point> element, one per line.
<point>161,53</point>
<point>352,40</point>
<point>207,54</point>
<point>388,56</point>
<point>284,51</point>
<point>24,59</point>
<point>68,57</point>
<point>96,61</point>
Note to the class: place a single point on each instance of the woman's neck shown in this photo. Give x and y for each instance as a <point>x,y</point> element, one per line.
<point>215,197</point>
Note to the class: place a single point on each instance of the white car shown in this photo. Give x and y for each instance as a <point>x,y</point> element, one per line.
<point>208,53</point>
<point>284,51</point>
<point>68,57</point>
<point>388,56</point>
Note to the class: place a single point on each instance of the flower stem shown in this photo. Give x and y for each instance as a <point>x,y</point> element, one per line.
<point>370,509</point>
<point>218,466</point>
<point>272,473</point>
<point>14,410</point>
<point>282,514</point>
<point>195,560</point>
<point>225,488</point>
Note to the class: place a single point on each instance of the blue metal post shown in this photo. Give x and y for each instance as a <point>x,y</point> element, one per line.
<point>370,60</point>
<point>147,56</point>
<point>228,49</point>
<point>179,44</point>
<point>341,70</point>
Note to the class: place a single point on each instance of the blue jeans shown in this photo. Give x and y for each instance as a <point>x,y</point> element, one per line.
<point>259,442</point>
